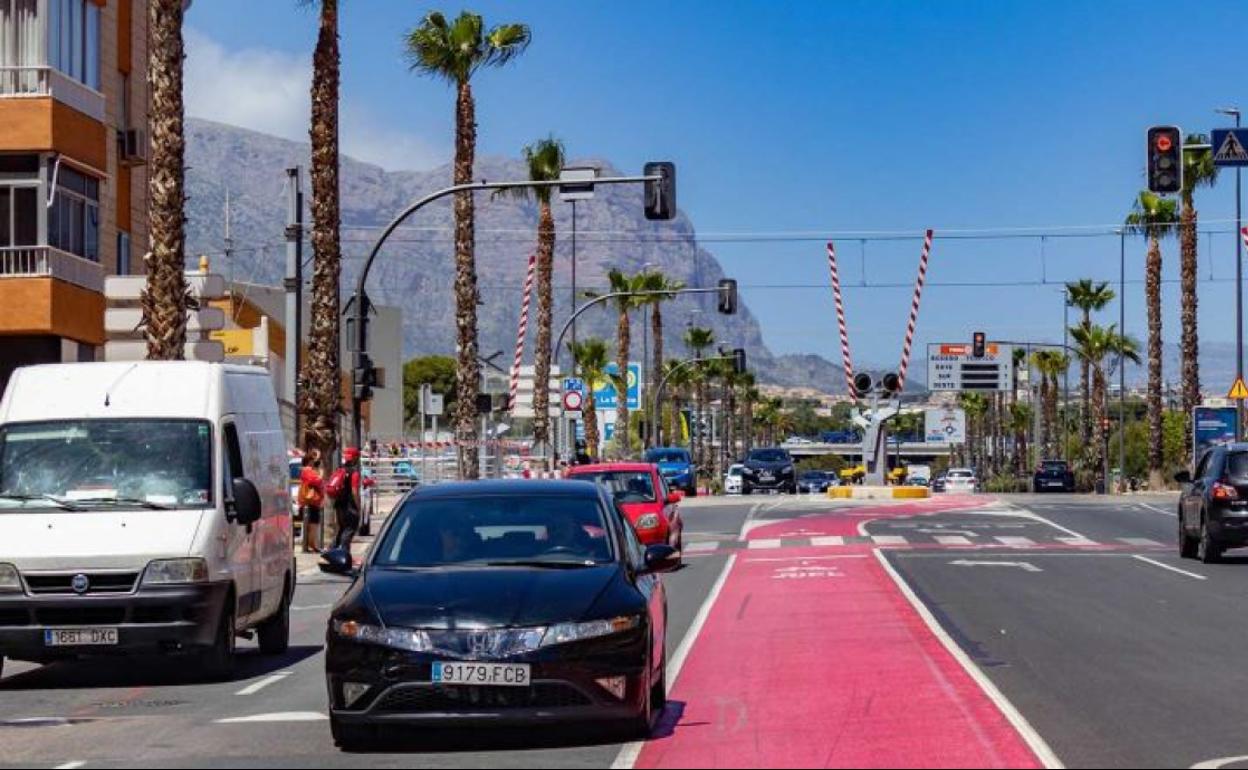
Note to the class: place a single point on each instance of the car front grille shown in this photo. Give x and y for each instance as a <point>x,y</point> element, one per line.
<point>435,698</point>
<point>97,582</point>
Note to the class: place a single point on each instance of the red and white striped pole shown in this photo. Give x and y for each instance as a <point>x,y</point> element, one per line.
<point>914,307</point>
<point>846,361</point>
<point>522,332</point>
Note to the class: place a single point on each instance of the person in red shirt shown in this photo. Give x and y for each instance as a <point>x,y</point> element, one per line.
<point>311,500</point>
<point>347,500</point>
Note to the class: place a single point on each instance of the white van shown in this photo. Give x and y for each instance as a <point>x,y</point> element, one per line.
<point>144,507</point>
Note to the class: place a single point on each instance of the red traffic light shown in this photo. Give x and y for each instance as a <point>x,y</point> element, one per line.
<point>1164,143</point>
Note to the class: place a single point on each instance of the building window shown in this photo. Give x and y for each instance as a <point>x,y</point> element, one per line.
<point>19,215</point>
<point>23,46</point>
<point>123,252</point>
<point>74,216</point>
<point>73,38</point>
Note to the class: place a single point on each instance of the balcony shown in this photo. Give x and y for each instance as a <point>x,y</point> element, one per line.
<point>33,82</point>
<point>49,262</point>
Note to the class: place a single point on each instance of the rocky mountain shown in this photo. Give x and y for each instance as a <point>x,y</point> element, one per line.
<point>416,269</point>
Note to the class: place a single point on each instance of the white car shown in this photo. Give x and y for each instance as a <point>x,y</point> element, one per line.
<point>961,480</point>
<point>733,480</point>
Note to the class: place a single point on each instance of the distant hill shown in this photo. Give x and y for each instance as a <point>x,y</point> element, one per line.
<point>416,270</point>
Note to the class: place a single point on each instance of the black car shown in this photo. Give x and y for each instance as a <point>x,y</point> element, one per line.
<point>1213,508</point>
<point>938,483</point>
<point>813,481</point>
<point>500,603</point>
<point>768,469</point>
<point>1053,476</point>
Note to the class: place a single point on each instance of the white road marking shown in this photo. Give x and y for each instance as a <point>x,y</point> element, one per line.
<point>808,558</point>
<point>828,540</point>
<point>1163,565</point>
<point>1155,509</point>
<point>1217,764</point>
<point>1076,541</point>
<point>888,539</point>
<point>1024,566</point>
<point>952,540</point>
<point>706,545</point>
<point>307,607</point>
<point>71,765</point>
<point>1012,715</point>
<point>764,543</point>
<point>280,716</point>
<point>1138,541</point>
<point>1015,541</point>
<point>256,687</point>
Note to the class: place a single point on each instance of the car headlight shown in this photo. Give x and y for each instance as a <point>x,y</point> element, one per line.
<point>649,521</point>
<point>398,638</point>
<point>175,571</point>
<point>10,581</point>
<point>563,633</point>
<point>787,469</point>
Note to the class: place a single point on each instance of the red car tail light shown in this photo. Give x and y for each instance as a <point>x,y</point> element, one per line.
<point>1221,491</point>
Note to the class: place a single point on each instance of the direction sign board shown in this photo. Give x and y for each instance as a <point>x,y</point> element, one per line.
<point>1230,146</point>
<point>945,425</point>
<point>1212,426</point>
<point>954,367</point>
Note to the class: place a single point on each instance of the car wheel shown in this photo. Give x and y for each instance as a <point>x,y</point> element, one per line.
<point>217,662</point>
<point>639,727</point>
<point>746,491</point>
<point>352,737</point>
<point>658,694</point>
<point>1187,543</point>
<point>1207,549</point>
<point>274,633</point>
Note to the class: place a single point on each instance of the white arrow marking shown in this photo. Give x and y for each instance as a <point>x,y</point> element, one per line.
<point>1025,566</point>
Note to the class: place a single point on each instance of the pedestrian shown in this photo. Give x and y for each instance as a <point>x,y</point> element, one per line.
<point>311,500</point>
<point>344,488</point>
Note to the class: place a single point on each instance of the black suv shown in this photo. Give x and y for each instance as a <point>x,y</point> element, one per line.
<point>1213,509</point>
<point>768,469</point>
<point>1053,476</point>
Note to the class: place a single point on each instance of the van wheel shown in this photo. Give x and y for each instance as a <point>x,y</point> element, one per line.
<point>217,662</point>
<point>274,633</point>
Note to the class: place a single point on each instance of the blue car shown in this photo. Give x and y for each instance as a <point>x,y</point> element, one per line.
<point>676,466</point>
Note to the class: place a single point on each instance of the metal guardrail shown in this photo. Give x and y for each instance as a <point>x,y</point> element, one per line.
<point>49,262</point>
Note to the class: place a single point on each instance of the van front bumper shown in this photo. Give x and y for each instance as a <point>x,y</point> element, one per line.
<point>164,619</point>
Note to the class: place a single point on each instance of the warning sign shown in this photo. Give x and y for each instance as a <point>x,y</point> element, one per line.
<point>1228,147</point>
<point>1239,391</point>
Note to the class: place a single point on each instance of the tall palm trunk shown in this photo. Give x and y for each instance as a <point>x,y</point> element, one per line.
<point>545,299</point>
<point>624,333</point>
<point>1152,290</point>
<point>466,293</point>
<point>1097,447</point>
<point>1085,384</point>
<point>700,423</point>
<point>656,365</point>
<point>730,428</point>
<point>321,398</point>
<point>1190,341</point>
<point>1046,426</point>
<point>591,425</point>
<point>165,298</point>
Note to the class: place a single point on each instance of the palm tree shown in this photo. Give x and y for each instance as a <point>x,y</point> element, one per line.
<point>976,407</point>
<point>1088,296</point>
<point>698,340</point>
<point>1050,364</point>
<point>1094,344</point>
<point>1198,171</point>
<point>629,300</point>
<point>455,51</point>
<point>662,287</point>
<point>1154,217</point>
<point>166,297</point>
<point>545,160</point>
<point>748,398</point>
<point>590,355</point>
<point>320,397</point>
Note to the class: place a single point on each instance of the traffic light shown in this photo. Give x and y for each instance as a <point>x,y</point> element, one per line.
<point>891,382</point>
<point>863,383</point>
<point>660,195</point>
<point>979,345</point>
<point>738,360</point>
<point>1165,160</point>
<point>728,296</point>
<point>485,403</point>
<point>363,378</point>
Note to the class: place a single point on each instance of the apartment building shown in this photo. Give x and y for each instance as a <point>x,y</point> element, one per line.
<point>73,187</point>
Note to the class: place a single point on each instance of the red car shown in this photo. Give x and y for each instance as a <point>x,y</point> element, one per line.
<point>644,497</point>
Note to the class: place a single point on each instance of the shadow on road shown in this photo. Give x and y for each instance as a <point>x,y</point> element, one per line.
<point>154,671</point>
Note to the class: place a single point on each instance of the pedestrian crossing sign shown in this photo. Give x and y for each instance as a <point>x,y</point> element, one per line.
<point>1239,391</point>
<point>1228,147</point>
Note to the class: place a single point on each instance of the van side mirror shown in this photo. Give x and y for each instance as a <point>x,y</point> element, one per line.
<point>1183,477</point>
<point>661,558</point>
<point>247,509</point>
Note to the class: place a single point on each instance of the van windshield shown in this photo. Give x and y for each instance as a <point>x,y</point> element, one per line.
<point>106,464</point>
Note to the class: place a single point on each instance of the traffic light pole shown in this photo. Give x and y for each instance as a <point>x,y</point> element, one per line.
<point>361,341</point>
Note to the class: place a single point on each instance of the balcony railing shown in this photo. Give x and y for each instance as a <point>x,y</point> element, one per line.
<point>49,262</point>
<point>26,81</point>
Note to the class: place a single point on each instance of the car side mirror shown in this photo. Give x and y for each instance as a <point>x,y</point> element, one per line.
<point>660,559</point>
<point>247,509</point>
<point>675,496</point>
<point>1183,477</point>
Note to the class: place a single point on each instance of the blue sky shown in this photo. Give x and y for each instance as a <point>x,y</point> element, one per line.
<point>810,118</point>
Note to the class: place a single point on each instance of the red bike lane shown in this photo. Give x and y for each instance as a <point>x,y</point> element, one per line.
<point>815,659</point>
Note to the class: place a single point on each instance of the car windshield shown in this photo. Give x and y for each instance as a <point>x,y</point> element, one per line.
<point>104,463</point>
<point>814,476</point>
<point>960,474</point>
<point>734,470</point>
<point>496,531</point>
<point>1053,466</point>
<point>769,456</point>
<point>667,456</point>
<point>626,486</point>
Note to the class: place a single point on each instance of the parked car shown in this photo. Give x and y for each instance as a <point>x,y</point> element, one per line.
<point>961,480</point>
<point>938,483</point>
<point>1213,506</point>
<point>652,508</point>
<point>769,469</point>
<point>568,615</point>
<point>181,535</point>
<point>1053,476</point>
<point>813,481</point>
<point>676,465</point>
<point>733,479</point>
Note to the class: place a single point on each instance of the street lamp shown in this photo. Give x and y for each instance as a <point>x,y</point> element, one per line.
<point>1239,282</point>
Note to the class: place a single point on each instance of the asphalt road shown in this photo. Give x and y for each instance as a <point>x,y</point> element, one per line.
<point>1078,609</point>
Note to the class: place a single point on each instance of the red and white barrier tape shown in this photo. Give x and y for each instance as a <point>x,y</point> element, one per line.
<point>522,332</point>
<point>914,306</point>
<point>846,361</point>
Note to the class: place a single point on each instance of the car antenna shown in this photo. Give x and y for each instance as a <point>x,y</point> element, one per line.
<point>108,394</point>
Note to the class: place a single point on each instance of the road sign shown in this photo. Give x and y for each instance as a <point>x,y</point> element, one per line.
<point>945,425</point>
<point>1230,147</point>
<point>954,367</point>
<point>1239,391</point>
<point>1212,426</point>
<point>604,393</point>
<point>572,400</point>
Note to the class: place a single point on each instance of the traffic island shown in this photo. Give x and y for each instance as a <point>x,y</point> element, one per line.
<point>878,493</point>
